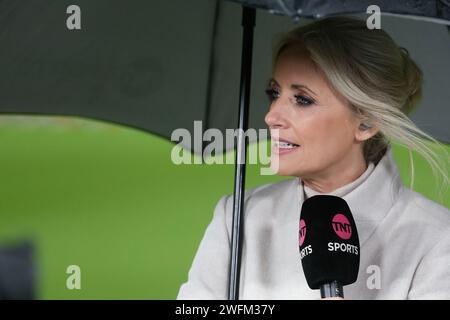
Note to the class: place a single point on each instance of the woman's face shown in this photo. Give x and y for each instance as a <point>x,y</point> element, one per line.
<point>312,117</point>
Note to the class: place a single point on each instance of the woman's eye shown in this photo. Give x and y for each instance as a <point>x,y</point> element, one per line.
<point>303,101</point>
<point>272,94</point>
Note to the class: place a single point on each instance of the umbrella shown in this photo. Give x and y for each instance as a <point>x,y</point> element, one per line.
<point>158,66</point>
<point>137,63</point>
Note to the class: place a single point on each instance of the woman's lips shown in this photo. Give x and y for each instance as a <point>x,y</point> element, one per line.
<point>283,147</point>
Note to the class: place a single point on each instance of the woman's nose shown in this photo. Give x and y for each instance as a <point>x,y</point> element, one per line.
<point>275,118</point>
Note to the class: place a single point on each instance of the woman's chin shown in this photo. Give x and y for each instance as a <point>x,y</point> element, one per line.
<point>283,169</point>
<point>286,164</point>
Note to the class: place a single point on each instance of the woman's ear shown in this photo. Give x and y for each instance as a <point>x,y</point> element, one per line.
<point>365,131</point>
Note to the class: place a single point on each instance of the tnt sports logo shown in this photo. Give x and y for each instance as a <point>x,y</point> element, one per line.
<point>342,226</point>
<point>301,232</point>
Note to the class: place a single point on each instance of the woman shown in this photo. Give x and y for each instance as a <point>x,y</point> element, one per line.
<point>339,93</point>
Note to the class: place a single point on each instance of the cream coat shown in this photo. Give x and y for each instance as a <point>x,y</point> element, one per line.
<point>405,244</point>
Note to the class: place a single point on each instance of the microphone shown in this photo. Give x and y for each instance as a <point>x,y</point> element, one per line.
<point>328,244</point>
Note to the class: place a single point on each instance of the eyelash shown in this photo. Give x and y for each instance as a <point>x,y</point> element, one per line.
<point>306,101</point>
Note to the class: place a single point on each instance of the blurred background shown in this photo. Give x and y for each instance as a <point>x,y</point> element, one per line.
<point>108,199</point>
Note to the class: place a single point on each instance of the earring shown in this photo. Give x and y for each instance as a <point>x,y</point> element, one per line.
<point>364,126</point>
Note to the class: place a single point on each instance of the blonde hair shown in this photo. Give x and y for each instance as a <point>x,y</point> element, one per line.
<point>378,78</point>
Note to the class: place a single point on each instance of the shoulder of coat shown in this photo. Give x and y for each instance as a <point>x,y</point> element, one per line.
<point>419,207</point>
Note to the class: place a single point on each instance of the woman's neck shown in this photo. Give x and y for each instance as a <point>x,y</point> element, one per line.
<point>338,175</point>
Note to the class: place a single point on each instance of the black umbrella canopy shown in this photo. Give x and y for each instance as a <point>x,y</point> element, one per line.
<point>137,63</point>
<point>159,66</point>
<point>433,10</point>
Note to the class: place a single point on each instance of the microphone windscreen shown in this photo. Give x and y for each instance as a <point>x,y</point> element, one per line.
<point>328,241</point>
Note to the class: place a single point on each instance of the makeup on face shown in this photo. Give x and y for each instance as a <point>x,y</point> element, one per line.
<point>302,95</point>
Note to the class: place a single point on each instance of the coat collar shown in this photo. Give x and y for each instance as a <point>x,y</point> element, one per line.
<point>371,201</point>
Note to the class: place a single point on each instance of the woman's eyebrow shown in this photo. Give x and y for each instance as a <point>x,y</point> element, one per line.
<point>301,86</point>
<point>293,86</point>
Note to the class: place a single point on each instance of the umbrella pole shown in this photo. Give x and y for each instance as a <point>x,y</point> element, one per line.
<point>248,23</point>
